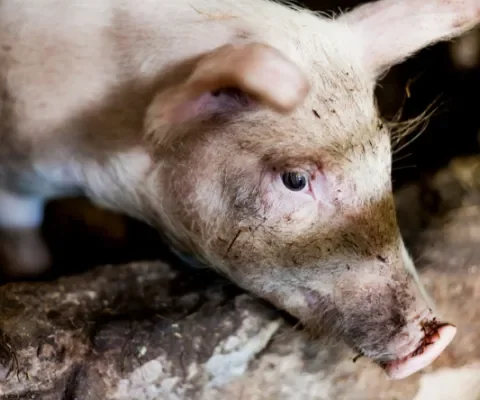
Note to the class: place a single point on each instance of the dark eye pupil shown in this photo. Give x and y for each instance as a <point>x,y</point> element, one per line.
<point>294,181</point>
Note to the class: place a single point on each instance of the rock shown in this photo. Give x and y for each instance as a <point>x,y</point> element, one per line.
<point>145,331</point>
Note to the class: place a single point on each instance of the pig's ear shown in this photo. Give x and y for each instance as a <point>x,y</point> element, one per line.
<point>392,30</point>
<point>220,78</point>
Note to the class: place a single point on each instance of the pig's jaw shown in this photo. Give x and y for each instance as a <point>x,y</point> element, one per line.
<point>435,339</point>
<point>426,352</point>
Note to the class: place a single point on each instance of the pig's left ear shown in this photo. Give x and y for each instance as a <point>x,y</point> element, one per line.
<point>256,70</point>
<point>392,30</point>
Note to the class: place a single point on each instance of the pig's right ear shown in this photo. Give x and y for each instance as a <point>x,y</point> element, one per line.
<point>259,71</point>
<point>389,31</point>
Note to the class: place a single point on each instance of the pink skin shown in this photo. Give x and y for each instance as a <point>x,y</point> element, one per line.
<point>424,354</point>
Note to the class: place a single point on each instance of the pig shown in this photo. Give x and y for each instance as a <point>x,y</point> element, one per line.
<point>245,131</point>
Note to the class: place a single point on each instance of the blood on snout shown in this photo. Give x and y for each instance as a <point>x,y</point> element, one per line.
<point>430,348</point>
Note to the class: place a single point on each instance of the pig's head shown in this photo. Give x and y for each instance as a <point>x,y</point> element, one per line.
<point>275,169</point>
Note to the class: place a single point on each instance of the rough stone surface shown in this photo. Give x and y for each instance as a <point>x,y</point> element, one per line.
<point>151,331</point>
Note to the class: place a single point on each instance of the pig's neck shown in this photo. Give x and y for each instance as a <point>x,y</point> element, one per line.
<point>127,184</point>
<point>119,182</point>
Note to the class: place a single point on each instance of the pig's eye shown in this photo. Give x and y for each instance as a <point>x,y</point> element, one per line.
<point>295,181</point>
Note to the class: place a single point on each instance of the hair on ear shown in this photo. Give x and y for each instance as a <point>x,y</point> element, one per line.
<point>229,77</point>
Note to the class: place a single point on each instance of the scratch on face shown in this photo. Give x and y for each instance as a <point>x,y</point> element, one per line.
<point>252,230</point>
<point>234,240</point>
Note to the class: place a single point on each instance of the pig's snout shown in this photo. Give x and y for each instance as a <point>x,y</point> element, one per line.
<point>382,320</point>
<point>418,349</point>
<point>413,347</point>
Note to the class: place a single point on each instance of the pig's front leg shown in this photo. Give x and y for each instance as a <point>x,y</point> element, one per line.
<point>23,252</point>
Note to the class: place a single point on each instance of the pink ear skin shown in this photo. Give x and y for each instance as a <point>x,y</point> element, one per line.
<point>392,30</point>
<point>254,71</point>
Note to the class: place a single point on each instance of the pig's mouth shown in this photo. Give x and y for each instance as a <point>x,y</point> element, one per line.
<point>436,338</point>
